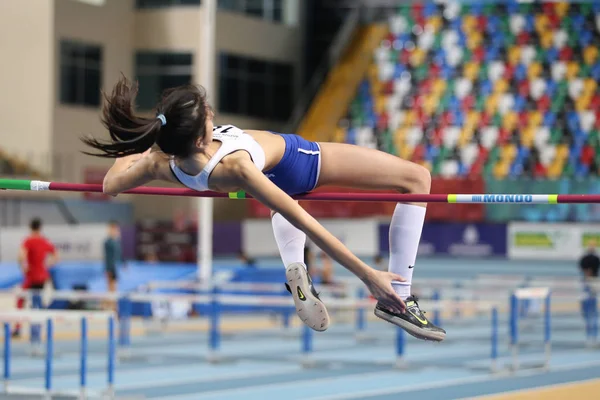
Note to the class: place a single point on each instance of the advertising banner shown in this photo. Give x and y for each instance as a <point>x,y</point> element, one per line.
<point>456,239</point>
<point>551,241</point>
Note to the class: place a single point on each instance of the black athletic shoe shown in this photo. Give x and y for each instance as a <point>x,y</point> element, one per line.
<point>309,307</point>
<point>413,321</point>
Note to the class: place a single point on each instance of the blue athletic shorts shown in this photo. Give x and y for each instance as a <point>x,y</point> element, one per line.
<point>298,170</point>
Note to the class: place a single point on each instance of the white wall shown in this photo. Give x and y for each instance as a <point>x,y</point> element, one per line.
<point>26,81</point>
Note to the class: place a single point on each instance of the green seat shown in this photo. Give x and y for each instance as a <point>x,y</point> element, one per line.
<point>572,39</point>
<point>467,55</point>
<point>584,70</point>
<point>497,120</point>
<point>480,104</point>
<point>420,73</point>
<point>555,135</point>
<point>489,9</point>
<point>585,8</point>
<point>568,169</point>
<point>525,8</point>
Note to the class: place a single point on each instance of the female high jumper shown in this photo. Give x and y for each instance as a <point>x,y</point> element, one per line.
<point>272,167</point>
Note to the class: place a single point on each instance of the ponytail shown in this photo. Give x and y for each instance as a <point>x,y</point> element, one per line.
<point>181,119</point>
<point>130,133</point>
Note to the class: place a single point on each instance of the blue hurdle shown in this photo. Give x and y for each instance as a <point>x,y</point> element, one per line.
<point>50,318</point>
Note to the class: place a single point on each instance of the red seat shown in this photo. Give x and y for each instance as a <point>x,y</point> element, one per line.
<point>587,155</point>
<point>503,136</point>
<point>468,103</point>
<point>404,57</point>
<point>544,103</point>
<point>383,121</point>
<point>539,171</point>
<point>418,153</point>
<point>523,119</point>
<point>565,54</point>
<point>595,102</point>
<point>434,70</point>
<point>554,20</point>
<point>479,54</point>
<point>523,88</point>
<point>523,38</point>
<point>482,23</point>
<point>509,72</point>
<point>485,120</point>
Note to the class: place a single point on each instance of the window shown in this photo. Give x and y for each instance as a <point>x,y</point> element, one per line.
<point>165,3</point>
<point>256,88</point>
<point>159,71</point>
<point>267,9</point>
<point>80,73</point>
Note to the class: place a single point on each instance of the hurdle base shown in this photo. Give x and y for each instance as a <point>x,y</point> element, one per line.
<point>308,362</point>
<point>363,337</point>
<point>214,357</point>
<point>400,363</point>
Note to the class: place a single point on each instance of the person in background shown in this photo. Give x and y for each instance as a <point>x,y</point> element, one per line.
<point>590,262</point>
<point>36,255</point>
<point>113,256</point>
<point>248,261</point>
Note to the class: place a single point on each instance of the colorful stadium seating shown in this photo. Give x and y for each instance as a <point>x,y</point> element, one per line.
<point>504,90</point>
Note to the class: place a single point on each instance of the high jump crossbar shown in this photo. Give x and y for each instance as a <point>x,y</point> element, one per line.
<point>35,185</point>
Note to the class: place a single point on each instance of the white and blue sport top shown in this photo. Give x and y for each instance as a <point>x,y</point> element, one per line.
<point>232,139</point>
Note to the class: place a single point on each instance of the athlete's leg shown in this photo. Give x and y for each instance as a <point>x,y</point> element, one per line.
<point>362,168</point>
<point>291,242</point>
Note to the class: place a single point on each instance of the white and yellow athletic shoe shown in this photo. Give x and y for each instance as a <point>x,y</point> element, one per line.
<point>309,307</point>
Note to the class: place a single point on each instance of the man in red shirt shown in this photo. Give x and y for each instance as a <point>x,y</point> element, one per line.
<point>36,254</point>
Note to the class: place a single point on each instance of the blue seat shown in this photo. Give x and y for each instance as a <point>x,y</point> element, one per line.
<point>529,23</point>
<point>549,119</point>
<point>585,38</point>
<point>398,70</point>
<point>551,55</point>
<point>520,104</point>
<point>582,171</point>
<point>551,87</point>
<point>429,9</point>
<point>486,88</point>
<point>351,135</point>
<point>492,53</point>
<point>520,72</point>
<point>463,170</point>
<point>596,71</point>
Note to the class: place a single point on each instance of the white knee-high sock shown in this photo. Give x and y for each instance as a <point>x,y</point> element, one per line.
<point>405,234</point>
<point>290,240</point>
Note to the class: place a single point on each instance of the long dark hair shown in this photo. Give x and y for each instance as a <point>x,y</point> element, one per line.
<point>185,109</point>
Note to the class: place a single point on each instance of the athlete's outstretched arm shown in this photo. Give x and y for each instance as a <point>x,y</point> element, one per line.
<point>250,179</point>
<point>135,170</point>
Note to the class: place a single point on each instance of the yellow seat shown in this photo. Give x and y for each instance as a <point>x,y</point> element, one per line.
<point>471,70</point>
<point>399,138</point>
<point>514,55</point>
<point>562,8</point>
<point>534,119</point>
<point>409,118</point>
<point>469,23</point>
<point>562,152</point>
<point>431,104</point>
<point>501,86</point>
<point>472,119</point>
<point>510,120</point>
<point>380,103</point>
<point>466,136</point>
<point>426,164</point>
<point>405,151</point>
<point>582,103</point>
<point>546,39</point>
<point>439,87</point>
<point>501,170</point>
<point>474,40</point>
<point>508,152</point>
<point>527,137</point>
<point>589,86</point>
<point>491,104</point>
<point>554,171</point>
<point>572,69</point>
<point>435,22</point>
<point>417,57</point>
<point>535,69</point>
<point>542,23</point>
<point>590,55</point>
<point>340,135</point>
